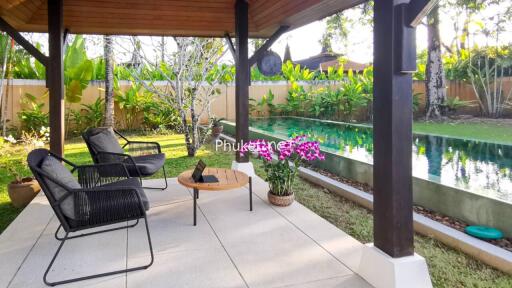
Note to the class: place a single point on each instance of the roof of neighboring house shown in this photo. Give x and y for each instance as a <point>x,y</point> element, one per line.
<point>347,65</point>
<point>313,62</point>
<point>209,18</point>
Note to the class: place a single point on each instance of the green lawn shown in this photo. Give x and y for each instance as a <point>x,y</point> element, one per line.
<point>448,268</point>
<point>484,131</point>
<point>76,151</point>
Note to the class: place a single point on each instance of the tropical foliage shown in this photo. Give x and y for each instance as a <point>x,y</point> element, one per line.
<point>90,115</point>
<point>341,100</point>
<point>32,117</point>
<point>78,70</point>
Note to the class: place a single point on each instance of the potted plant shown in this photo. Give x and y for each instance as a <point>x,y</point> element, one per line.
<point>282,169</point>
<point>217,127</point>
<point>22,189</point>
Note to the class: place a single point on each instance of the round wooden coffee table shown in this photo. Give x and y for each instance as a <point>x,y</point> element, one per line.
<point>228,179</point>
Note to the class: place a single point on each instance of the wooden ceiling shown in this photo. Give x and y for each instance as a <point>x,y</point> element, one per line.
<point>211,18</point>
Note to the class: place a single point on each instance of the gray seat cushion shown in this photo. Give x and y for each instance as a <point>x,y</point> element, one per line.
<point>147,164</point>
<point>55,169</point>
<point>132,182</point>
<point>106,141</point>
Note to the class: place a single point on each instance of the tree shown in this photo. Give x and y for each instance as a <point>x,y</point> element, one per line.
<point>339,25</point>
<point>435,79</point>
<point>487,72</point>
<point>465,10</point>
<point>326,42</point>
<point>191,76</point>
<point>108,120</point>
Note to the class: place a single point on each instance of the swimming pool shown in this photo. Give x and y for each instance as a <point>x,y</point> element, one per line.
<point>480,167</point>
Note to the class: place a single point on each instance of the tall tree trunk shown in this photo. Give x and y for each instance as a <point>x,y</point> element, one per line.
<point>162,49</point>
<point>108,120</point>
<point>435,80</point>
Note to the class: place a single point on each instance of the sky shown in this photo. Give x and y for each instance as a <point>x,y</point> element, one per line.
<point>303,41</point>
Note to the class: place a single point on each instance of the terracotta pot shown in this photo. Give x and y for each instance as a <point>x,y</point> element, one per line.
<point>216,130</point>
<point>22,193</point>
<point>280,200</point>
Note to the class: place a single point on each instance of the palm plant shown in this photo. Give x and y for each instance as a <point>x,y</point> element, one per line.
<point>78,70</point>
<point>131,101</point>
<point>487,81</point>
<point>34,118</point>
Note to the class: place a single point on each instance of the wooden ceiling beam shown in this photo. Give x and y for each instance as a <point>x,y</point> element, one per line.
<point>23,42</point>
<point>230,44</point>
<point>264,48</point>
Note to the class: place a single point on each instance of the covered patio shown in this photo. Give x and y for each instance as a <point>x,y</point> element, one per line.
<point>231,247</point>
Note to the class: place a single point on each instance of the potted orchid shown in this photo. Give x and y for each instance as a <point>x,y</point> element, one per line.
<point>282,163</point>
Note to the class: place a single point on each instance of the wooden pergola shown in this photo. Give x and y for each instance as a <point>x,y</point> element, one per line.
<point>394,60</point>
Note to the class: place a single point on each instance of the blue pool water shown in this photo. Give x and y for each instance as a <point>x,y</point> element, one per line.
<point>480,167</point>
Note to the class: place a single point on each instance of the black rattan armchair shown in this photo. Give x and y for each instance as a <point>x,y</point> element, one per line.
<point>142,159</point>
<point>103,195</point>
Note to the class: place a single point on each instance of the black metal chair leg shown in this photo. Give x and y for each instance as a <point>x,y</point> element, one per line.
<point>150,244</point>
<point>45,277</point>
<point>160,188</point>
<point>250,193</point>
<point>196,193</point>
<point>95,232</point>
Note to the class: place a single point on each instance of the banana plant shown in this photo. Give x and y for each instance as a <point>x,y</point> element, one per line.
<point>131,101</point>
<point>22,66</point>
<point>296,73</point>
<point>334,74</point>
<point>78,70</point>
<point>265,102</point>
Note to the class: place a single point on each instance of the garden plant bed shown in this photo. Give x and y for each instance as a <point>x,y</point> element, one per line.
<point>505,243</point>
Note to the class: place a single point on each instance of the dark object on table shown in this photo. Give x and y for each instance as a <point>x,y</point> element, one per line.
<point>143,159</point>
<point>103,195</point>
<point>198,176</point>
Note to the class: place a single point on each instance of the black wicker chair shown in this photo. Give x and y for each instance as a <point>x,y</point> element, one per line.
<point>142,159</point>
<point>103,195</point>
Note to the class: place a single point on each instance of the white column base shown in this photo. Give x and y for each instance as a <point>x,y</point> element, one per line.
<point>247,168</point>
<point>383,271</point>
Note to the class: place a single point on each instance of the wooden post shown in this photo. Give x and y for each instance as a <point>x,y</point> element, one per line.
<point>56,75</point>
<point>242,78</point>
<point>392,176</point>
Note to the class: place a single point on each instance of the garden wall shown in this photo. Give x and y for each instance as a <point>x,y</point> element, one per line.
<point>224,104</point>
<point>20,87</point>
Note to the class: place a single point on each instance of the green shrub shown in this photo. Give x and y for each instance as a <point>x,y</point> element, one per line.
<point>160,115</point>
<point>90,115</point>
<point>34,118</point>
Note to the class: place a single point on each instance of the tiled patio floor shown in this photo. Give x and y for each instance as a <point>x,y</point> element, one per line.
<point>230,246</point>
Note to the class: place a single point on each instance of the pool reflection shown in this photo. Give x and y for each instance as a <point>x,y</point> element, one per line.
<point>480,167</point>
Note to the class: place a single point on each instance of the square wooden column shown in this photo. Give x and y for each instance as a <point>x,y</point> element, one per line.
<point>56,75</point>
<point>392,168</point>
<point>242,78</point>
